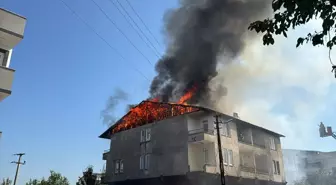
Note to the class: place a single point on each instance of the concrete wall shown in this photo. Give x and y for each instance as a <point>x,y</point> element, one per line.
<point>169,150</point>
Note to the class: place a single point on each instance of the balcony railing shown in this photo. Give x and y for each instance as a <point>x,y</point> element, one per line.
<point>106,154</point>
<point>199,135</point>
<point>11,28</point>
<point>201,130</point>
<point>6,80</point>
<point>247,169</point>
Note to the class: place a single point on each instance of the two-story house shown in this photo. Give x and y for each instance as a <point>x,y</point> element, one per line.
<point>11,33</point>
<point>180,146</point>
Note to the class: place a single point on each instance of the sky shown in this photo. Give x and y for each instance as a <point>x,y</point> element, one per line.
<point>65,74</point>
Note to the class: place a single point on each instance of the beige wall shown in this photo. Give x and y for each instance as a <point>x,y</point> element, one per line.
<point>237,147</point>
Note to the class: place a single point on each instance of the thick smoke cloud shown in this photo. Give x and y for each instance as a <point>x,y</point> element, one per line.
<point>197,32</point>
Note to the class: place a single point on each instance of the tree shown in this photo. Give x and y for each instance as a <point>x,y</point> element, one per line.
<point>53,179</point>
<point>88,178</point>
<point>294,13</point>
<point>6,182</point>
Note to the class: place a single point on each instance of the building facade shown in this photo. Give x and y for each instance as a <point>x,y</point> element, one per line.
<point>183,150</point>
<point>11,33</point>
<point>302,163</point>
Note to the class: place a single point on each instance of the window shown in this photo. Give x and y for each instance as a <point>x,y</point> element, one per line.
<point>276,167</point>
<point>147,161</point>
<point>205,125</point>
<point>145,149</point>
<point>226,130</point>
<point>121,166</point>
<point>116,166</point>
<point>230,157</point>
<point>148,134</point>
<point>142,162</point>
<point>3,57</point>
<point>272,143</point>
<point>225,153</point>
<point>206,156</point>
<point>143,135</point>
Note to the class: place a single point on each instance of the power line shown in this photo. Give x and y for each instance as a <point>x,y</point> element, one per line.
<point>111,47</point>
<point>142,22</point>
<point>115,25</point>
<point>130,17</point>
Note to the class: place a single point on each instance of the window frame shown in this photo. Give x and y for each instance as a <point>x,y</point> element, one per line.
<point>230,157</point>
<point>121,166</point>
<point>226,132</point>
<point>148,134</point>
<point>226,157</point>
<point>276,167</point>
<point>145,148</point>
<point>272,144</point>
<point>142,162</point>
<point>147,161</point>
<point>4,63</point>
<point>116,166</point>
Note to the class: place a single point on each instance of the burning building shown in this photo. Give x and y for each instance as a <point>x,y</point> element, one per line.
<point>159,142</point>
<point>175,143</point>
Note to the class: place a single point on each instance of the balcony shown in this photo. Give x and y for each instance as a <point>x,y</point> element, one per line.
<point>11,29</point>
<point>106,154</point>
<point>201,135</point>
<point>6,80</point>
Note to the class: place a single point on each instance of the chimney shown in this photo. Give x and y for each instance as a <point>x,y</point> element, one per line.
<point>235,115</point>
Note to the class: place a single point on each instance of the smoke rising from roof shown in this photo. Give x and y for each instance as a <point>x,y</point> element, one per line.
<point>108,114</point>
<point>197,32</point>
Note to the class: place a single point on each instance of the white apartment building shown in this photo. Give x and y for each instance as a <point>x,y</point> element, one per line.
<point>183,149</point>
<point>11,33</point>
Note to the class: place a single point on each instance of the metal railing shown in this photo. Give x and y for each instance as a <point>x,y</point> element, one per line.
<point>247,168</point>
<point>201,130</point>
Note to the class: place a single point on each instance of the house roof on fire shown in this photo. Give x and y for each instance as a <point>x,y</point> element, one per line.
<point>152,115</point>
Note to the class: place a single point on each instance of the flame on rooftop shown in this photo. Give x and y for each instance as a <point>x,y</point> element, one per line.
<point>153,110</point>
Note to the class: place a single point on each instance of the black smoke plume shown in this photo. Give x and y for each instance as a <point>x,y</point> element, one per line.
<point>197,32</point>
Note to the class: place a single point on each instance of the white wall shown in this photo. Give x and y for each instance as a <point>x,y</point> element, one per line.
<point>196,156</point>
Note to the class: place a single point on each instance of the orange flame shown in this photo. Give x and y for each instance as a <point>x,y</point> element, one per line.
<point>187,95</point>
<point>152,110</point>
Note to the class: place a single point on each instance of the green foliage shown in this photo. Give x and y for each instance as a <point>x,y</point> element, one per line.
<point>53,179</point>
<point>6,182</point>
<point>293,13</point>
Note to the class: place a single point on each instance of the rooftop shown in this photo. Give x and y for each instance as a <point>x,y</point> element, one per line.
<point>148,112</point>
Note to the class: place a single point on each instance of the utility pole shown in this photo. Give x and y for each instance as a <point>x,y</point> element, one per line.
<point>220,153</point>
<point>18,163</point>
<point>219,143</point>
